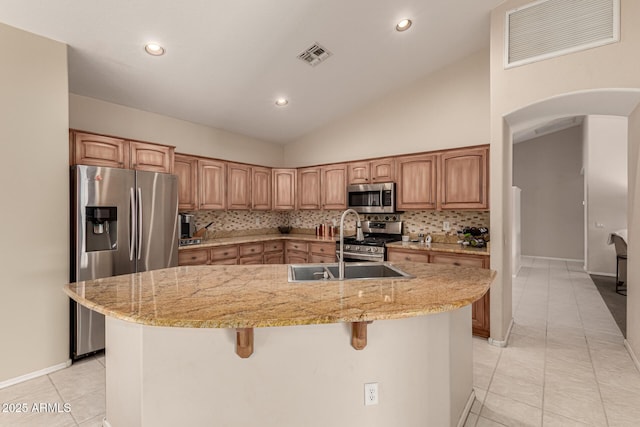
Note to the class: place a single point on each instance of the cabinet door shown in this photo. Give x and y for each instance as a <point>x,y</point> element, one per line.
<point>284,189</point>
<point>480,325</point>
<point>97,150</point>
<point>309,188</point>
<point>193,257</point>
<point>464,179</point>
<point>254,259</point>
<point>273,257</point>
<point>296,257</point>
<point>238,186</point>
<point>334,187</point>
<point>383,170</point>
<point>151,157</point>
<point>186,168</point>
<point>417,182</point>
<point>260,188</point>
<point>358,173</point>
<point>212,184</point>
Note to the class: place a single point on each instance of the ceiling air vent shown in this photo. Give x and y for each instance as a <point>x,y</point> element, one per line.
<point>549,28</point>
<point>314,55</point>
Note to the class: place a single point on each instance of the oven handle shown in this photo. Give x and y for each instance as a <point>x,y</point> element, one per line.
<point>360,257</point>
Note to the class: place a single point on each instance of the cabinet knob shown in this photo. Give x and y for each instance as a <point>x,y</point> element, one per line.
<point>456,263</point>
<point>226,253</point>
<point>407,258</point>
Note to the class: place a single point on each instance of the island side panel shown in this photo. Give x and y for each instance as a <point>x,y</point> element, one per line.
<point>298,375</point>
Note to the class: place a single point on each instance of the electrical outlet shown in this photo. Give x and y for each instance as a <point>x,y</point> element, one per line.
<point>371,394</point>
<point>446,226</point>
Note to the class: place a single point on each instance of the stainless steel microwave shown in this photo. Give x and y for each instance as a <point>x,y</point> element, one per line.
<point>372,198</point>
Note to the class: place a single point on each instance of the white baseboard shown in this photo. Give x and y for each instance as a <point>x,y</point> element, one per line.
<point>36,374</point>
<point>632,354</point>
<point>466,410</point>
<point>105,423</point>
<point>506,338</point>
<point>554,258</point>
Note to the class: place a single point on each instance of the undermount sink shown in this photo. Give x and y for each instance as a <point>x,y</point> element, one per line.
<point>357,270</point>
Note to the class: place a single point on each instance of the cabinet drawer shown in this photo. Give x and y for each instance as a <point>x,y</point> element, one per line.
<point>297,246</point>
<point>273,246</point>
<point>224,252</point>
<point>193,257</point>
<point>253,259</point>
<point>407,255</point>
<point>459,260</point>
<point>230,261</point>
<point>251,249</point>
<point>321,259</point>
<point>323,248</point>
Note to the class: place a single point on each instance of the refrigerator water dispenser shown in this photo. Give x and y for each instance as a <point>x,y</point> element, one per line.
<point>101,228</point>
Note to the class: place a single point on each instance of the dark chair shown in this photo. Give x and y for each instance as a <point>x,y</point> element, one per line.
<point>621,264</point>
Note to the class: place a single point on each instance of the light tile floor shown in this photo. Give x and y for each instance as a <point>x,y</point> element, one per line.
<point>565,365</point>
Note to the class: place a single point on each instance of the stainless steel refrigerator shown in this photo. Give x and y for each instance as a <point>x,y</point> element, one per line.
<point>123,221</point>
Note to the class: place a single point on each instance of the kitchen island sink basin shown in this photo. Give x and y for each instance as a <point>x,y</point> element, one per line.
<point>352,271</point>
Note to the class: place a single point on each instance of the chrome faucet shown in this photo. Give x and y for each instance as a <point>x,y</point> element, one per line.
<point>359,236</point>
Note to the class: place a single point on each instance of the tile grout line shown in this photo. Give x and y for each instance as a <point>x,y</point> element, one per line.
<point>62,399</point>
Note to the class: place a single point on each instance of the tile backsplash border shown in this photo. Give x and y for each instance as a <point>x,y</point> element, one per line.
<point>240,222</point>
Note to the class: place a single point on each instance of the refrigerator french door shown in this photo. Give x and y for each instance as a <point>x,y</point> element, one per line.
<point>123,222</point>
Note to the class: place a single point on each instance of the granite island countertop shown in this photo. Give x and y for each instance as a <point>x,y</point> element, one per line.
<point>247,296</point>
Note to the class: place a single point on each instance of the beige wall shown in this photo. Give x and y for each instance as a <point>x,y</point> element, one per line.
<point>107,118</point>
<point>633,249</point>
<point>34,180</point>
<point>606,189</point>
<point>612,66</point>
<point>446,109</point>
<point>547,169</point>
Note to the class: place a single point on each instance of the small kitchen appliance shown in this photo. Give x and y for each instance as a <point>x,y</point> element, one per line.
<point>187,226</point>
<point>372,247</point>
<point>372,198</point>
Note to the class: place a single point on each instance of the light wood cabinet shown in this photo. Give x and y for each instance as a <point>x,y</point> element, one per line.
<point>374,171</point>
<point>238,186</point>
<point>193,257</point>
<point>250,253</point>
<point>410,255</point>
<point>211,184</point>
<point>333,187</point>
<point>480,310</point>
<point>309,188</point>
<point>273,252</point>
<point>322,252</point>
<point>417,182</point>
<point>296,252</point>
<point>226,255</point>
<point>260,188</point>
<point>98,150</point>
<point>464,180</point>
<point>284,189</point>
<point>186,168</point>
<point>151,157</point>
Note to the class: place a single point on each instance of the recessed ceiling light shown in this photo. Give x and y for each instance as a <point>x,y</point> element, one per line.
<point>281,102</point>
<point>154,49</point>
<point>403,25</point>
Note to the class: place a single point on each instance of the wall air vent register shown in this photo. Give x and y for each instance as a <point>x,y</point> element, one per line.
<point>549,28</point>
<point>314,54</point>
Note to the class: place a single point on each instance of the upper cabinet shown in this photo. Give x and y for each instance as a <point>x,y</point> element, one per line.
<point>260,188</point>
<point>98,150</point>
<point>333,187</point>
<point>370,172</point>
<point>212,184</point>
<point>186,168</point>
<point>238,186</point>
<point>464,179</point>
<point>151,157</point>
<point>284,189</point>
<point>417,182</point>
<point>309,188</point>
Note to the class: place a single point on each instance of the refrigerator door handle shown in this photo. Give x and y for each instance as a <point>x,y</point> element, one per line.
<point>139,222</point>
<point>133,234</point>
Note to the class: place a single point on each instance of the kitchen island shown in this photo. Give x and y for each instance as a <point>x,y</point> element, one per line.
<point>171,336</point>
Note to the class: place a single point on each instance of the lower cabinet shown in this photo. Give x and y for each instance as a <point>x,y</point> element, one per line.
<point>193,257</point>
<point>480,309</point>
<point>273,252</point>
<point>322,252</point>
<point>296,252</point>
<point>250,253</point>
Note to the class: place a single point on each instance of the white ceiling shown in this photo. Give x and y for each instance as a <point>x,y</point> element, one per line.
<point>227,61</point>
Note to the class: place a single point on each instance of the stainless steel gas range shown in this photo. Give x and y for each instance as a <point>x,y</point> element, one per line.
<point>372,248</point>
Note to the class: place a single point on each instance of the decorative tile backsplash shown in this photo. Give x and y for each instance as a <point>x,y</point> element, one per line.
<point>226,223</point>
